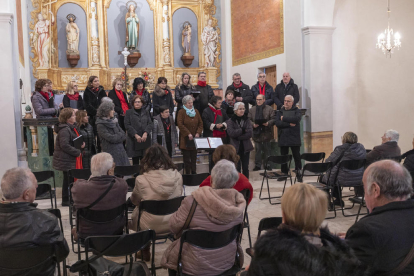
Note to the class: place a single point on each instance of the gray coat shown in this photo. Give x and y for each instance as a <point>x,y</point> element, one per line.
<point>64,156</point>
<point>41,106</point>
<point>239,134</point>
<point>112,136</point>
<point>158,129</point>
<point>137,123</point>
<point>264,134</point>
<point>345,152</point>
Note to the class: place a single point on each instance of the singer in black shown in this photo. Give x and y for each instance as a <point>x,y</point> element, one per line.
<point>164,131</point>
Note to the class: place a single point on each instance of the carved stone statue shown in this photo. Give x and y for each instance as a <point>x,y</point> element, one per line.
<point>186,38</point>
<point>41,39</point>
<point>132,26</point>
<point>209,37</point>
<point>72,35</point>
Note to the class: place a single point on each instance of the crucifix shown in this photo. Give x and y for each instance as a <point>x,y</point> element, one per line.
<point>125,53</point>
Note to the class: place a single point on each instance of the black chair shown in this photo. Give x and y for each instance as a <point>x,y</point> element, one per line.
<point>246,224</point>
<point>58,215</point>
<point>264,225</point>
<point>131,184</point>
<point>122,171</point>
<point>316,169</point>
<point>368,150</point>
<point>311,157</point>
<point>44,190</point>
<point>211,240</point>
<point>349,165</point>
<point>80,173</point>
<point>180,166</point>
<point>194,179</point>
<point>123,245</point>
<point>280,160</point>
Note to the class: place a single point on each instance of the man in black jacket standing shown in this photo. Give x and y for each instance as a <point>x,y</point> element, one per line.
<point>264,88</point>
<point>206,92</point>
<point>286,87</point>
<point>24,226</point>
<point>242,92</point>
<point>384,238</point>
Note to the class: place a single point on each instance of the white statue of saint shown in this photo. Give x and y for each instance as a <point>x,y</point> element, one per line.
<point>72,35</point>
<point>132,27</point>
<point>209,37</point>
<point>40,39</point>
<point>186,39</point>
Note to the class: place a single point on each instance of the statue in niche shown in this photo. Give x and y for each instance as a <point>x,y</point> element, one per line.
<point>132,26</point>
<point>186,38</point>
<point>41,39</point>
<point>209,37</point>
<point>72,35</point>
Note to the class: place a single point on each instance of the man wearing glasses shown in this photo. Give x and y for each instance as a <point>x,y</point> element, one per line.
<point>262,87</point>
<point>263,118</point>
<point>242,92</point>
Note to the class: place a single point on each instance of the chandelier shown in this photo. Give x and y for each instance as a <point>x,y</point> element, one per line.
<point>385,41</point>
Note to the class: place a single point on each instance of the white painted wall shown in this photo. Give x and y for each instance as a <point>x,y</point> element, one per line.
<point>372,93</point>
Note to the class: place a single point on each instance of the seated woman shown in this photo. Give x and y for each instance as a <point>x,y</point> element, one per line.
<point>349,150</point>
<point>85,192</point>
<point>72,98</point>
<point>158,180</point>
<point>219,208</point>
<point>300,246</point>
<point>228,152</point>
<point>86,130</point>
<point>164,131</point>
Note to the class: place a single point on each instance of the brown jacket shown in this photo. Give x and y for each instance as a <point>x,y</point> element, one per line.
<point>383,151</point>
<point>85,192</point>
<point>155,185</point>
<point>217,210</point>
<point>188,125</point>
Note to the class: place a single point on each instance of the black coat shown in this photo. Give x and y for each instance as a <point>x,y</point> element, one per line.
<point>288,135</point>
<point>239,134</point>
<point>92,101</point>
<point>409,162</point>
<point>208,121</point>
<point>89,138</point>
<point>147,98</point>
<point>281,92</point>
<point>64,156</point>
<point>118,107</point>
<point>137,123</point>
<point>228,109</point>
<point>269,93</point>
<point>180,92</point>
<point>66,102</point>
<point>287,252</point>
<point>159,98</point>
<point>203,98</point>
<point>384,237</point>
<point>24,226</point>
<point>245,93</point>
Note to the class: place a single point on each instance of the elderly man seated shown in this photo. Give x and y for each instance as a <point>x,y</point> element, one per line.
<point>24,226</point>
<point>86,192</point>
<point>384,239</point>
<point>388,149</point>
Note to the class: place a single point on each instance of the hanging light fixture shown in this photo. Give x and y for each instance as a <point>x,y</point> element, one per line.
<point>385,42</point>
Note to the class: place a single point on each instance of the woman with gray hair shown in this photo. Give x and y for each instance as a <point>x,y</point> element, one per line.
<point>240,131</point>
<point>218,208</point>
<point>111,134</point>
<point>191,125</point>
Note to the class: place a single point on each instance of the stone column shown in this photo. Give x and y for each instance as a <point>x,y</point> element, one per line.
<point>94,33</point>
<point>317,55</point>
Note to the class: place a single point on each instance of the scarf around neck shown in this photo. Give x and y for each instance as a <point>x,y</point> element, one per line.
<point>217,112</point>
<point>190,112</point>
<point>73,97</point>
<point>45,95</point>
<point>124,104</point>
<point>202,83</point>
<point>140,92</point>
<point>238,86</point>
<point>262,91</point>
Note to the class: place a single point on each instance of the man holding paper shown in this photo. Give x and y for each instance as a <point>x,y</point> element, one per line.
<point>262,117</point>
<point>288,124</point>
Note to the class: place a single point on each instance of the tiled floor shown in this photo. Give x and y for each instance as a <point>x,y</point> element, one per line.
<point>257,210</point>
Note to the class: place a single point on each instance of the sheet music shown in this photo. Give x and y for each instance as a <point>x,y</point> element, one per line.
<point>202,143</point>
<point>215,142</point>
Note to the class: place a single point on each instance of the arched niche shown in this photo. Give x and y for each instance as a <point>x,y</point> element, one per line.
<point>61,22</point>
<point>117,31</point>
<point>179,17</point>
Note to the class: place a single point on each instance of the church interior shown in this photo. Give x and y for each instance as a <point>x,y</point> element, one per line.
<point>345,67</point>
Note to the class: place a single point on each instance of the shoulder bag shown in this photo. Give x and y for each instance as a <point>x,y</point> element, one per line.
<point>188,220</point>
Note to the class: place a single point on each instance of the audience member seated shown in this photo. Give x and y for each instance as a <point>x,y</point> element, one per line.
<point>228,152</point>
<point>24,226</point>
<point>159,180</point>
<point>218,208</point>
<point>85,192</point>
<point>349,150</point>
<point>300,246</point>
<point>384,237</point>
<point>409,161</point>
<point>388,148</point>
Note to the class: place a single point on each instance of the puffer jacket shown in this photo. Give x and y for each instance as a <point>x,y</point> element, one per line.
<point>147,98</point>
<point>281,92</point>
<point>158,130</point>
<point>89,138</point>
<point>409,162</point>
<point>268,93</point>
<point>239,134</point>
<point>64,156</point>
<point>22,225</point>
<point>263,133</point>
<point>42,107</point>
<point>155,185</point>
<point>217,210</point>
<point>112,136</point>
<point>137,123</point>
<point>288,135</point>
<point>345,177</point>
<point>159,98</point>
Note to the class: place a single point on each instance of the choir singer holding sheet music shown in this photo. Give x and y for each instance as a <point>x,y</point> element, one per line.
<point>288,128</point>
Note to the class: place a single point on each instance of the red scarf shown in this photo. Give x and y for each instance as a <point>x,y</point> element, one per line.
<point>51,92</point>
<point>95,89</point>
<point>237,86</point>
<point>45,95</point>
<point>216,132</point>
<point>166,91</point>
<point>139,92</point>
<point>124,104</point>
<point>262,92</point>
<point>73,97</point>
<point>202,83</point>
<point>79,158</point>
